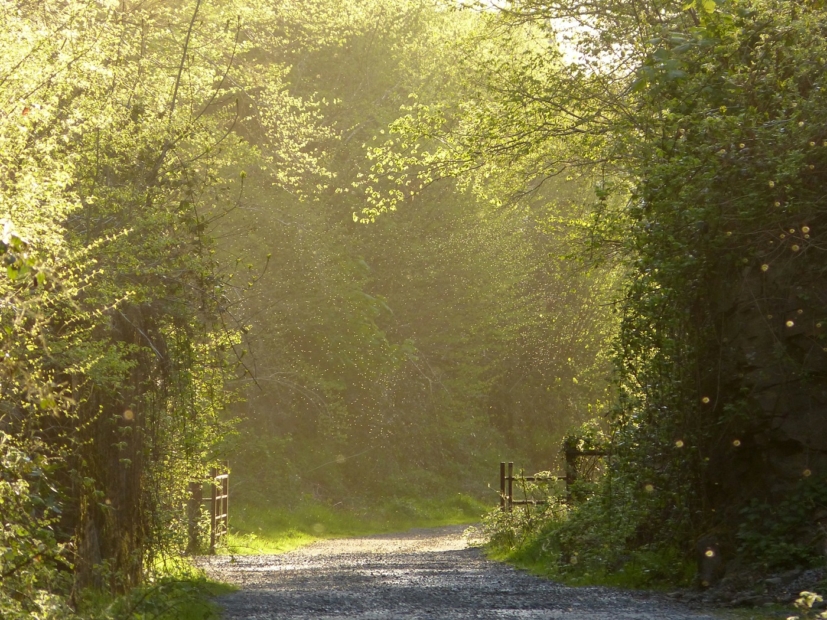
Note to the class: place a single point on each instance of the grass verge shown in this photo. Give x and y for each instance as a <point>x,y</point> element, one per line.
<point>179,592</point>
<point>662,570</point>
<point>642,571</point>
<point>270,529</point>
<point>635,575</point>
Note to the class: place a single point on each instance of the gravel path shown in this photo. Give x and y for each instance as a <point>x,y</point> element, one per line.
<point>420,574</point>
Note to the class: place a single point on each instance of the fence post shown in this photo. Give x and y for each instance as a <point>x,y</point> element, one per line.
<point>226,508</point>
<point>213,508</point>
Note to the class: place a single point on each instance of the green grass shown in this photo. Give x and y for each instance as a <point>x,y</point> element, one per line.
<point>169,597</point>
<point>642,572</point>
<point>632,576</point>
<point>663,570</point>
<point>183,600</point>
<point>276,529</point>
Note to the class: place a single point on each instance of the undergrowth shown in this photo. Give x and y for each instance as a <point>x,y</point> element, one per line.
<point>586,545</point>
<point>167,598</point>
<point>601,536</point>
<point>173,590</point>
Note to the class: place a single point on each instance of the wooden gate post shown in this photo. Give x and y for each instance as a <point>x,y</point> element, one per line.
<point>213,508</point>
<point>225,503</point>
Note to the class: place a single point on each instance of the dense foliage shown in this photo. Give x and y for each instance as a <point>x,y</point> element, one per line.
<point>176,175</point>
<point>119,151</point>
<point>721,349</point>
<point>402,241</point>
<point>699,125</point>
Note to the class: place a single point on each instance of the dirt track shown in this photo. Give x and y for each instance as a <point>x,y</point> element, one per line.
<point>420,574</point>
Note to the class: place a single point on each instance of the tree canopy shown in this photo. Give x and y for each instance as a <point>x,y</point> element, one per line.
<point>369,249</point>
<point>698,123</point>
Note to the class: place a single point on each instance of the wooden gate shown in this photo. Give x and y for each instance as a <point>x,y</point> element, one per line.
<point>507,478</point>
<point>218,504</point>
<point>219,508</point>
<point>507,501</point>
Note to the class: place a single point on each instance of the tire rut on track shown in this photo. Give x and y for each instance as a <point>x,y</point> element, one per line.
<point>420,574</point>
